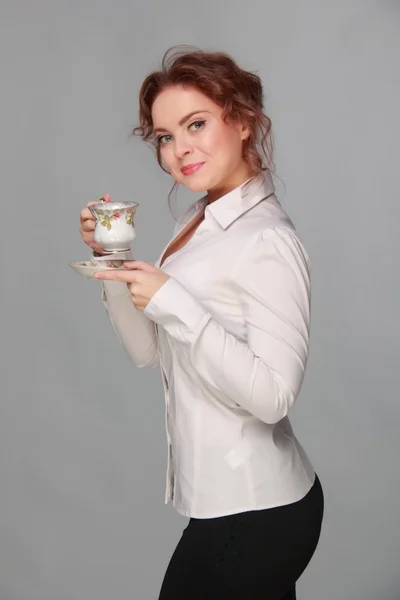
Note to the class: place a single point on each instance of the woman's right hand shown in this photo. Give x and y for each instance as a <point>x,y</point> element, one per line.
<point>88,224</point>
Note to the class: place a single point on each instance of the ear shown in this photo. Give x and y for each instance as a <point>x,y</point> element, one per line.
<point>245,131</point>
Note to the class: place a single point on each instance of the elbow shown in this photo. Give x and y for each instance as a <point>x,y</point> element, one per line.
<point>151,361</point>
<point>278,407</point>
<point>149,364</point>
<point>272,399</point>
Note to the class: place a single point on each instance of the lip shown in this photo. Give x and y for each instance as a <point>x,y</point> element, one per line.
<point>192,168</point>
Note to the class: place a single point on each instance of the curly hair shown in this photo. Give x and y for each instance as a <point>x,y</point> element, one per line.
<point>238,92</point>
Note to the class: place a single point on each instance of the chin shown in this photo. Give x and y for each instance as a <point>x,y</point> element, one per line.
<point>197,183</point>
<point>194,186</point>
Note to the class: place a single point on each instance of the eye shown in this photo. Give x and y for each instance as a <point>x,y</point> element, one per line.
<point>164,139</point>
<point>197,125</point>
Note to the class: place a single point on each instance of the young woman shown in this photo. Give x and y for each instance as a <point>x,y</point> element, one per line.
<point>226,313</point>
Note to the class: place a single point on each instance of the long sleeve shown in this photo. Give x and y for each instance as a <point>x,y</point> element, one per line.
<point>265,374</point>
<point>135,331</point>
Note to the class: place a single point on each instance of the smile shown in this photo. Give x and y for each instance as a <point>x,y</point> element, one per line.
<point>193,168</point>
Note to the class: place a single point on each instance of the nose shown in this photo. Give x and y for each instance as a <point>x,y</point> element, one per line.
<point>182,146</point>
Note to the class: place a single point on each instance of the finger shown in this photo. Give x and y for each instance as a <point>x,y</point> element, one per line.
<point>131,288</point>
<point>88,225</point>
<point>105,198</point>
<point>116,275</point>
<point>96,248</point>
<point>88,239</point>
<point>140,265</point>
<point>86,215</point>
<point>86,235</point>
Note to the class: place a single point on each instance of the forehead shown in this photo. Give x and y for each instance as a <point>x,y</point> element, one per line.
<point>174,103</point>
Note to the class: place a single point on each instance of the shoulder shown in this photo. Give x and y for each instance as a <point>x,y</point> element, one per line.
<point>279,241</point>
<point>285,239</point>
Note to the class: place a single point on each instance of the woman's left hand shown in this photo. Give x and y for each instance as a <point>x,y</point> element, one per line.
<point>142,279</point>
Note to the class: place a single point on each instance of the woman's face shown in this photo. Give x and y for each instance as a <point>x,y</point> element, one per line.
<point>199,149</point>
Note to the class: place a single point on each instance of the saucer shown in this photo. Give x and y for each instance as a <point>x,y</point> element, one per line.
<point>88,268</point>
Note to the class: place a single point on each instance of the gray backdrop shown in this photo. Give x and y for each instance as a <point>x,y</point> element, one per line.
<point>82,443</point>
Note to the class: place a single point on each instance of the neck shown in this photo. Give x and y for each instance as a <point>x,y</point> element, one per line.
<point>239,176</point>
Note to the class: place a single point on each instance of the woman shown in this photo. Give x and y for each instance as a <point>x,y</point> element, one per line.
<point>226,313</point>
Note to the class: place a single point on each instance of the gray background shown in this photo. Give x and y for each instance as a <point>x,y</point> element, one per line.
<point>82,443</point>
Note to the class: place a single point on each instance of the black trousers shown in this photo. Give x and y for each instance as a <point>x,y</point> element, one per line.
<point>255,555</point>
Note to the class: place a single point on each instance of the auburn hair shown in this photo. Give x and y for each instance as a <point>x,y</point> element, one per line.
<point>238,92</point>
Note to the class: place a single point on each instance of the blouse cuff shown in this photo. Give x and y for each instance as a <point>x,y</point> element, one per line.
<point>175,309</point>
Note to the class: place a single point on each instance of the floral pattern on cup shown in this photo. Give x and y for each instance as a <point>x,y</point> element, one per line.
<point>106,215</point>
<point>115,227</point>
<point>106,219</point>
<point>129,216</point>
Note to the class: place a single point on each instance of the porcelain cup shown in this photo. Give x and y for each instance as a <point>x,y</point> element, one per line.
<point>115,228</point>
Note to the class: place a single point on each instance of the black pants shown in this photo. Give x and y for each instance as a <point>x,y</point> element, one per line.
<point>256,555</point>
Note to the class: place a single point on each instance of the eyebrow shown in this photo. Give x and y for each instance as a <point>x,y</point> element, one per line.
<point>183,120</point>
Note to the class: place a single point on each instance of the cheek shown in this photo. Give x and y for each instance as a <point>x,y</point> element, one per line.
<point>212,144</point>
<point>221,142</point>
<point>168,157</point>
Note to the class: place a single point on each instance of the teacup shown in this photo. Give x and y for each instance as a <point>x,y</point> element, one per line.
<point>115,229</point>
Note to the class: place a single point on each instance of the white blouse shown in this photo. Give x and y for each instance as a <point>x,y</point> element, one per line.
<point>230,330</point>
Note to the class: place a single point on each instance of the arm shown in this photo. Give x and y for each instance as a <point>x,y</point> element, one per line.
<point>135,331</point>
<point>264,375</point>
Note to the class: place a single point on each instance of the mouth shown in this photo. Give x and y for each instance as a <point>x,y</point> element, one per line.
<point>191,169</point>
